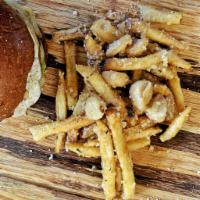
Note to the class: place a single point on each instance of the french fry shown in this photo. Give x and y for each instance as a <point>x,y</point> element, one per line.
<point>176,125</point>
<point>82,150</point>
<point>141,93</point>
<point>104,31</point>
<point>138,144</point>
<point>138,48</point>
<point>162,72</point>
<point>151,14</point>
<point>93,49</point>
<point>85,71</point>
<point>144,122</point>
<point>66,35</point>
<point>61,101</point>
<point>175,87</point>
<point>150,77</point>
<point>136,132</point>
<point>92,143</point>
<point>107,160</point>
<point>157,35</point>
<point>133,120</point>
<point>122,27</point>
<point>124,64</point>
<point>116,79</point>
<point>118,46</point>
<point>79,108</point>
<point>153,47</point>
<point>132,133</point>
<point>61,110</point>
<point>118,179</point>
<point>88,151</point>
<point>72,135</point>
<point>88,132</point>
<point>177,61</point>
<point>60,142</point>
<point>161,89</point>
<point>102,88</point>
<point>131,140</point>
<point>171,107</point>
<point>114,123</point>
<point>72,84</point>
<point>136,75</point>
<point>42,131</point>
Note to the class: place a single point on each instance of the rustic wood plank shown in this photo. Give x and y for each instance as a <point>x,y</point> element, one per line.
<point>193,123</point>
<point>190,81</point>
<point>158,194</point>
<point>13,189</point>
<point>152,177</point>
<point>160,157</point>
<point>191,99</point>
<point>17,128</point>
<point>67,176</point>
<point>54,177</point>
<point>184,141</point>
<point>51,76</point>
<point>168,160</point>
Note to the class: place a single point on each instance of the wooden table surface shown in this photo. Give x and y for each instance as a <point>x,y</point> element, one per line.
<point>168,171</point>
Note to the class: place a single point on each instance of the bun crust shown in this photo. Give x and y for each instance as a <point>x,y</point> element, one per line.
<point>16,59</point>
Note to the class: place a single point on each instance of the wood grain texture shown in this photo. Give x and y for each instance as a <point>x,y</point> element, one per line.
<point>20,190</point>
<point>165,171</point>
<point>70,174</point>
<point>168,160</point>
<point>184,141</point>
<point>18,152</point>
<point>18,140</point>
<point>172,163</point>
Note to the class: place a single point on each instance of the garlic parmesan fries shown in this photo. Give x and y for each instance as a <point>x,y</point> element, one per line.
<point>128,87</point>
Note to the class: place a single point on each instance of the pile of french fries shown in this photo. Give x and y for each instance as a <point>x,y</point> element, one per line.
<point>122,103</point>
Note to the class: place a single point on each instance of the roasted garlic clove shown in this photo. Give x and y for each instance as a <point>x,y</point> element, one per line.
<point>158,109</point>
<point>94,108</point>
<point>138,48</point>
<point>105,31</point>
<point>141,94</point>
<point>88,132</point>
<point>171,106</point>
<point>119,46</point>
<point>93,49</point>
<point>116,79</point>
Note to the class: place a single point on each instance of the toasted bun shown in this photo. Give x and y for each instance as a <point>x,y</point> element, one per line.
<point>16,59</point>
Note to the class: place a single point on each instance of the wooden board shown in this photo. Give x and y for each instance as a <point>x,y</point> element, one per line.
<point>166,171</point>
